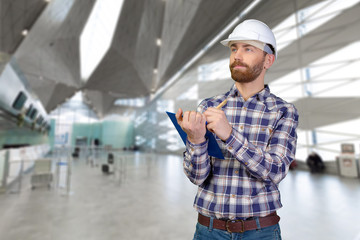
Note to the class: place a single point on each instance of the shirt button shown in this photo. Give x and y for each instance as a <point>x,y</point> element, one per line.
<point>241,127</point>
<point>192,149</point>
<point>233,196</point>
<point>236,172</point>
<point>246,163</point>
<point>245,108</point>
<point>230,148</point>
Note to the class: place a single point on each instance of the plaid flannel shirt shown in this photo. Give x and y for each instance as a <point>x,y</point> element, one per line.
<point>257,156</point>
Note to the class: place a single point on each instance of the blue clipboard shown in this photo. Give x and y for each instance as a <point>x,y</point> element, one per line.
<point>213,147</point>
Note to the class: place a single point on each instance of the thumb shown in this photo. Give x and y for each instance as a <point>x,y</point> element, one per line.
<point>179,115</point>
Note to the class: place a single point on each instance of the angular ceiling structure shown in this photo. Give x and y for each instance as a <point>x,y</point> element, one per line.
<point>135,65</point>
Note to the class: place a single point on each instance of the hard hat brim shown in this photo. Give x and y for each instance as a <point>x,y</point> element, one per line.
<point>227,41</point>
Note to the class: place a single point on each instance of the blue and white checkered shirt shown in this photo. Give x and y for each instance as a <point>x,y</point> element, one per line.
<point>257,155</point>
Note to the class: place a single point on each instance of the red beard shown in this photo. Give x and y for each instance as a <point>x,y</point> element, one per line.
<point>248,74</point>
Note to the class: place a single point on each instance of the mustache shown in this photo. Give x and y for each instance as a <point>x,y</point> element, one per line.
<point>238,63</point>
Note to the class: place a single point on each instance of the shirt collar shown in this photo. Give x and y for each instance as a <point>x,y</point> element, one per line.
<point>260,96</point>
<point>234,92</point>
<point>263,94</point>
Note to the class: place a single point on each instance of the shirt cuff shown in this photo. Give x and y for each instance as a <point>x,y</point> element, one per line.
<point>236,144</point>
<point>196,149</point>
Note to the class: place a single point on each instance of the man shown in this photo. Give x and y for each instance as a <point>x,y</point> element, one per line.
<point>315,163</point>
<point>238,196</point>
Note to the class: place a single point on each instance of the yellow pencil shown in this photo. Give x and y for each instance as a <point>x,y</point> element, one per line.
<point>221,104</point>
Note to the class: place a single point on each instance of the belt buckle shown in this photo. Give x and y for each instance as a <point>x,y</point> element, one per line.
<point>234,221</point>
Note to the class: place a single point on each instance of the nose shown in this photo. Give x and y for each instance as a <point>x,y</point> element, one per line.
<point>238,55</point>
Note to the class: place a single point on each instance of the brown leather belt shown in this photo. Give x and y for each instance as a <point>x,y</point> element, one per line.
<point>239,226</point>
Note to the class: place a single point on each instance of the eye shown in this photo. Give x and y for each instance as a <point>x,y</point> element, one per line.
<point>249,50</point>
<point>233,49</point>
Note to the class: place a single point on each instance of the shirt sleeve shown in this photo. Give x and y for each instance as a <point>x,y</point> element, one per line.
<point>270,164</point>
<point>196,162</point>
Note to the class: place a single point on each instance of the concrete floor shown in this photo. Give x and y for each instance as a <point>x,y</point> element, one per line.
<point>150,198</point>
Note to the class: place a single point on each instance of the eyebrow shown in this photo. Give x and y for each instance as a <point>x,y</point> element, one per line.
<point>244,46</point>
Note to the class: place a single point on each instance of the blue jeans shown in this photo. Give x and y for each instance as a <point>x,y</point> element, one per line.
<point>209,233</point>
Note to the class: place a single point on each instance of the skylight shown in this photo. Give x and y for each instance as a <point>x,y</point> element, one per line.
<point>308,19</point>
<point>97,35</point>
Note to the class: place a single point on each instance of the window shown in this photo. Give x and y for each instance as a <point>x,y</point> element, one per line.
<point>33,114</point>
<point>39,120</point>
<point>29,110</point>
<point>19,101</point>
<point>332,76</point>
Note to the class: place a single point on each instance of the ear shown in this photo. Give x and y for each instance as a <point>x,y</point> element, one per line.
<point>269,60</point>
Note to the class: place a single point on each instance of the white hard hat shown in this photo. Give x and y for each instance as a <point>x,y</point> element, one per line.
<point>252,30</point>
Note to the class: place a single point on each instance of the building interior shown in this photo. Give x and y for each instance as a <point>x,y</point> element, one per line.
<point>84,90</point>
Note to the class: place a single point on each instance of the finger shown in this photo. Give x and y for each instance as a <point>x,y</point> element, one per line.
<point>210,119</point>
<point>211,115</point>
<point>179,115</point>
<point>214,110</point>
<point>199,117</point>
<point>203,118</point>
<point>192,116</point>
<point>186,116</point>
<point>210,127</point>
<point>208,113</point>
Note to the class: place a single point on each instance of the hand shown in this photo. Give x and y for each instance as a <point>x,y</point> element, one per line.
<point>193,123</point>
<point>218,123</point>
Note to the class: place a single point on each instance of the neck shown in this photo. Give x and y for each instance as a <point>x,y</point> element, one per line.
<point>248,90</point>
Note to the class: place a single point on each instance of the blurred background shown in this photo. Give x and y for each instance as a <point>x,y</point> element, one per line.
<point>83,79</point>
<point>95,65</point>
